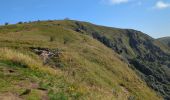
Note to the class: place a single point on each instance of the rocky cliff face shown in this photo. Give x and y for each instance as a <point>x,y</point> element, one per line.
<point>150,61</point>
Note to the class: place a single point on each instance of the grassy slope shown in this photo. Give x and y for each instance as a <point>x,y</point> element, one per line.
<point>121,36</point>
<point>149,57</point>
<point>165,40</point>
<point>90,71</point>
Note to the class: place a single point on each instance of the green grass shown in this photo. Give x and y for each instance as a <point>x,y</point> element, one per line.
<point>91,71</point>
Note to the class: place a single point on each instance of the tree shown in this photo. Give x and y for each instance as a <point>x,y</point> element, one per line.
<point>6,23</point>
<point>20,22</point>
<point>66,18</point>
<point>38,20</point>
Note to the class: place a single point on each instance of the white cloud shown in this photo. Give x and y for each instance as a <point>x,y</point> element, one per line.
<point>113,2</point>
<point>162,5</point>
<point>118,1</point>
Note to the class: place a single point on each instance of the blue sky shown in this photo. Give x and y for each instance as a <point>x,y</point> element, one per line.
<point>149,16</point>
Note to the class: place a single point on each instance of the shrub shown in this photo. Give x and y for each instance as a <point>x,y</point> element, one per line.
<point>66,18</point>
<point>52,38</point>
<point>20,22</point>
<point>66,40</point>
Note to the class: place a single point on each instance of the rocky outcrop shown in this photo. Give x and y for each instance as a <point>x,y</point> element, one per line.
<point>49,56</point>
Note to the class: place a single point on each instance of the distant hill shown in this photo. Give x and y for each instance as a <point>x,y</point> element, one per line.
<point>165,40</point>
<point>72,60</point>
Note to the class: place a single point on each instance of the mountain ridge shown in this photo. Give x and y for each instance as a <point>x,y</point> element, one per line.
<point>165,40</point>
<point>133,44</point>
<point>87,55</point>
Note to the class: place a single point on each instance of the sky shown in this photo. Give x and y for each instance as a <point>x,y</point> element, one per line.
<point>149,16</point>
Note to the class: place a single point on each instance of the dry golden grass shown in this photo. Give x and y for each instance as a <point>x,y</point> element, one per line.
<point>25,60</point>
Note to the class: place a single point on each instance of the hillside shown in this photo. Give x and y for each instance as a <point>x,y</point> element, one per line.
<point>147,56</point>
<point>60,60</point>
<point>165,40</point>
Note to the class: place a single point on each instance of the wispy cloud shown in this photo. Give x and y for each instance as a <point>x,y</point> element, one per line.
<point>162,5</point>
<point>114,2</point>
<point>118,1</point>
<point>159,4</point>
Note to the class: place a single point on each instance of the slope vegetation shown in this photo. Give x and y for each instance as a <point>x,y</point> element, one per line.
<point>165,40</point>
<point>149,57</point>
<point>47,60</point>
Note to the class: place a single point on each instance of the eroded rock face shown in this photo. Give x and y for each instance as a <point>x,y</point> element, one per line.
<point>150,61</point>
